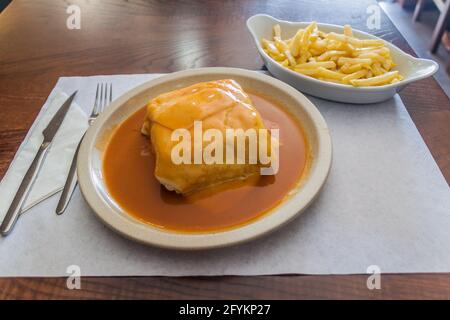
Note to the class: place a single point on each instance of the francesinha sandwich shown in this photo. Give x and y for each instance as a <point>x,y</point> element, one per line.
<point>190,156</point>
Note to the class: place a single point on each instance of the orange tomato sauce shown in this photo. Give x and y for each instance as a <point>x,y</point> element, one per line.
<point>128,166</point>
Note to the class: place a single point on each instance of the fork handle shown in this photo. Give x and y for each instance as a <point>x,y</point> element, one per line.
<point>24,189</point>
<point>71,183</point>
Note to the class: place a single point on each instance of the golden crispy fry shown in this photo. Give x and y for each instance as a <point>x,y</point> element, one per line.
<point>333,57</point>
<point>343,60</point>
<point>285,63</point>
<point>372,55</point>
<point>315,65</point>
<point>330,80</point>
<point>308,72</point>
<point>351,68</point>
<point>354,41</point>
<point>319,45</point>
<point>277,31</point>
<point>348,30</point>
<point>270,46</point>
<point>388,65</point>
<point>295,44</point>
<point>375,81</point>
<point>304,40</point>
<point>384,51</point>
<point>284,48</point>
<point>377,69</point>
<point>330,54</point>
<point>355,75</point>
<point>316,52</point>
<point>306,56</point>
<point>279,57</point>
<point>325,73</point>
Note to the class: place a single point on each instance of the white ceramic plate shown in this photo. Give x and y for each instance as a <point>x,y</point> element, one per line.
<point>90,159</point>
<point>413,69</point>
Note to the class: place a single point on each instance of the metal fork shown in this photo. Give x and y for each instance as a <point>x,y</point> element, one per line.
<point>103,98</point>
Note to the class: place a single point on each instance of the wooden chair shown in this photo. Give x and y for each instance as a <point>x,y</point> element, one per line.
<point>444,8</point>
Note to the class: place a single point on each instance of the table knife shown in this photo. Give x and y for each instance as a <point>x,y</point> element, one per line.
<point>30,176</point>
<point>70,184</point>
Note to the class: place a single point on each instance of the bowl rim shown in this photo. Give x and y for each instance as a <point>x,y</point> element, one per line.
<point>339,85</point>
<point>145,233</point>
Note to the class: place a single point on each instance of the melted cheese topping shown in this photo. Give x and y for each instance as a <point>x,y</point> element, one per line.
<point>219,105</point>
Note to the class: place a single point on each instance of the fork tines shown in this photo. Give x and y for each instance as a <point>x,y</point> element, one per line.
<point>103,97</point>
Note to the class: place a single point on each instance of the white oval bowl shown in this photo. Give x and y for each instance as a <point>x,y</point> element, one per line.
<point>413,69</point>
<point>89,164</point>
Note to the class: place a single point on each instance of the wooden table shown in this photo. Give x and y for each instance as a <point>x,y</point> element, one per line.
<point>137,36</point>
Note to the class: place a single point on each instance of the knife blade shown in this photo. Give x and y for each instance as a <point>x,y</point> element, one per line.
<point>70,184</point>
<point>30,176</point>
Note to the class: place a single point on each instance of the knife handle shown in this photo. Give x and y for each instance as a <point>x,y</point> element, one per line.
<point>70,184</point>
<point>24,189</point>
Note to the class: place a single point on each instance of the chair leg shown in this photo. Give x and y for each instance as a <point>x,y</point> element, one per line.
<point>440,28</point>
<point>418,9</point>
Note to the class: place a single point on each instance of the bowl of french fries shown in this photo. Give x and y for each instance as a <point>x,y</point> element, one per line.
<point>335,62</point>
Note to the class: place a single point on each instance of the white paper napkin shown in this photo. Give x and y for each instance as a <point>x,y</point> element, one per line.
<point>54,170</point>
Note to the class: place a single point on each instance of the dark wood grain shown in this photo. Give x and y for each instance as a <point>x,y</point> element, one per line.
<point>139,36</point>
<point>416,286</point>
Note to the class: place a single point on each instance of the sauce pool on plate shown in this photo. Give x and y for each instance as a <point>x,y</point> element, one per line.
<point>128,166</point>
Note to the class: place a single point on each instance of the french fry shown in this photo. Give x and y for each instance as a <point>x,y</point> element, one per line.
<point>387,64</point>
<point>372,55</point>
<point>354,41</point>
<point>348,30</point>
<point>328,74</point>
<point>285,63</point>
<point>284,48</point>
<point>307,72</point>
<point>376,69</point>
<point>279,57</point>
<point>313,37</point>
<point>290,58</point>
<point>304,40</point>
<point>375,81</point>
<point>354,75</point>
<point>371,42</point>
<point>333,57</point>
<point>330,80</point>
<point>295,44</point>
<point>315,65</point>
<point>329,54</point>
<point>277,31</point>
<point>281,45</point>
<point>343,60</point>
<point>321,34</point>
<point>351,68</point>
<point>270,46</point>
<point>384,51</point>
<point>319,45</point>
<point>304,55</point>
<point>315,52</point>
